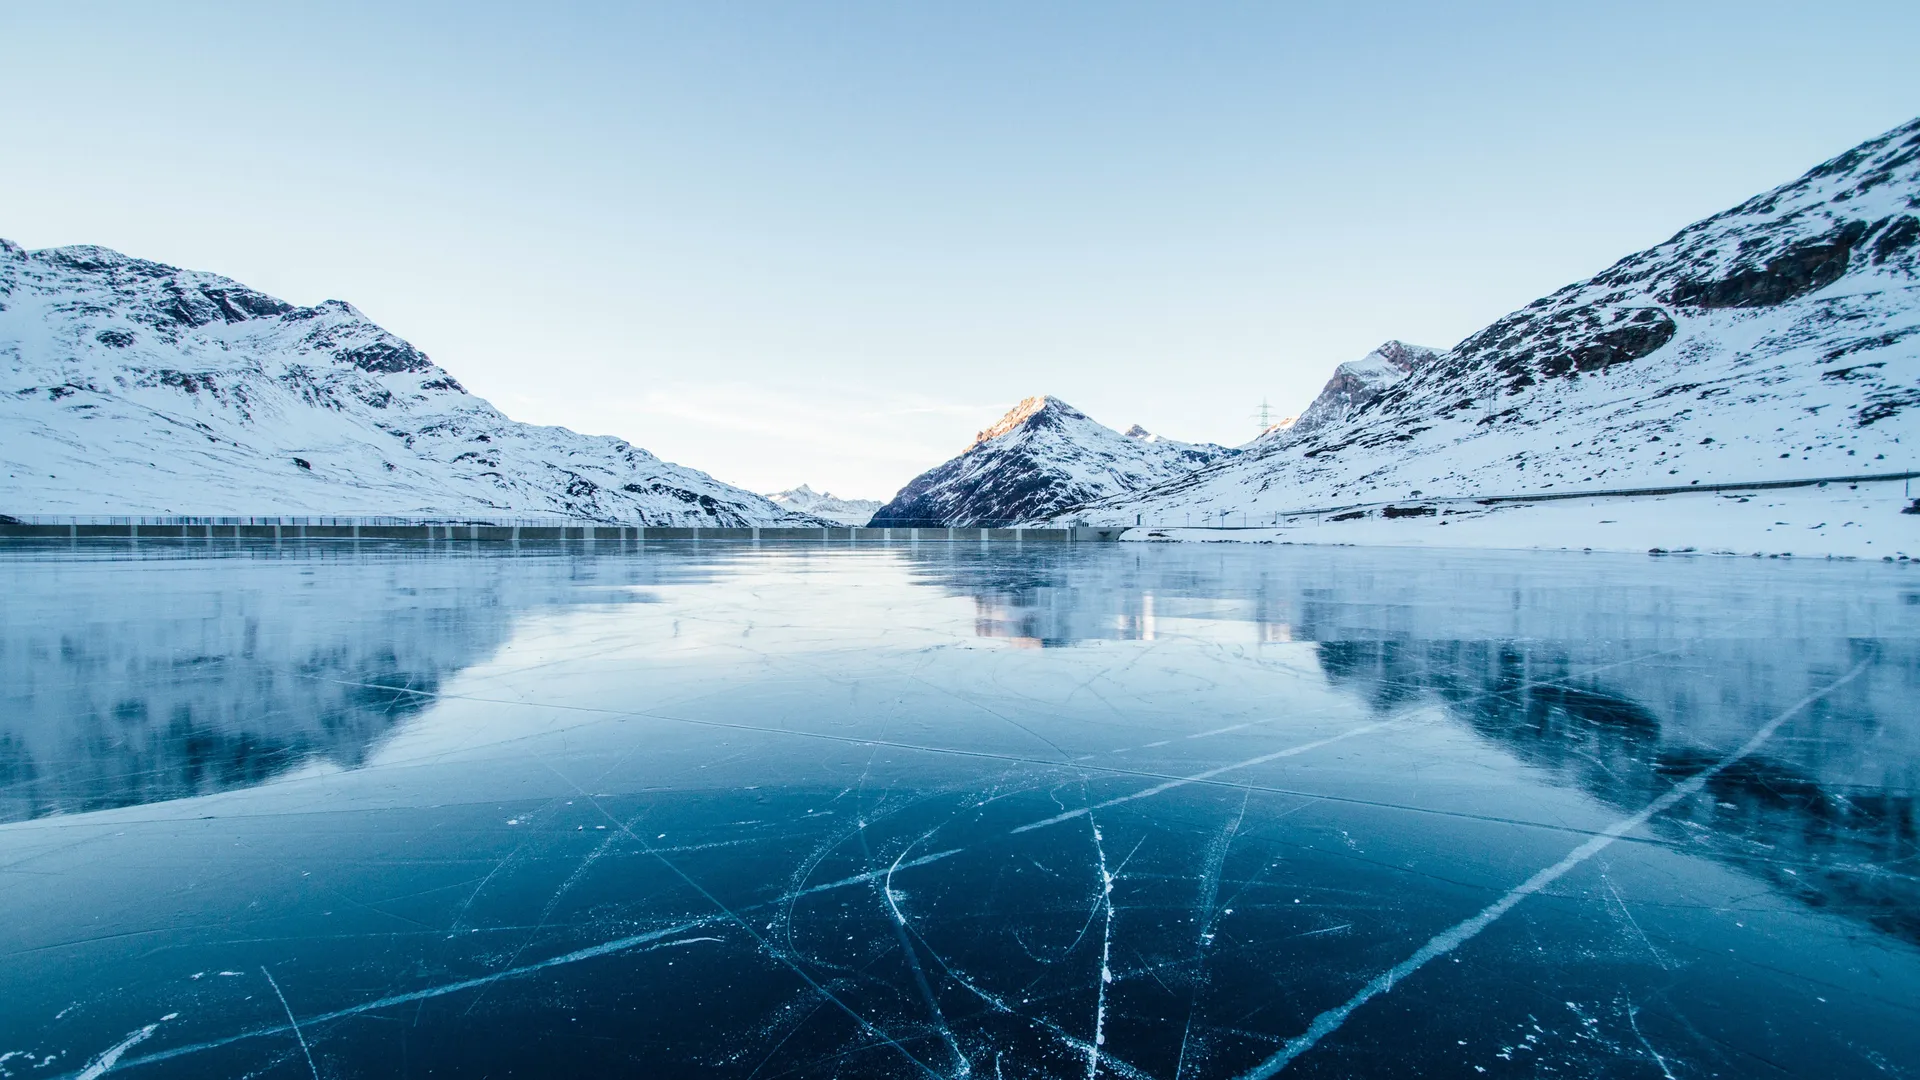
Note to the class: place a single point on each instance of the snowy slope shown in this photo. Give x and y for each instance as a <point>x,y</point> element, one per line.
<point>1041,458</point>
<point>1777,340</point>
<point>130,387</point>
<point>825,505</point>
<point>1853,521</point>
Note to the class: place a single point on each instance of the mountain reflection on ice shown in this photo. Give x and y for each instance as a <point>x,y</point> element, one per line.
<point>162,677</point>
<point>1819,812</point>
<point>1834,790</point>
<point>941,810</point>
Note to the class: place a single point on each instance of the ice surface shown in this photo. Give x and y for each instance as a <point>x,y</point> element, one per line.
<point>860,810</point>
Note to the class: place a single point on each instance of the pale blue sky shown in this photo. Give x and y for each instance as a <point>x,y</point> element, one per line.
<point>827,242</point>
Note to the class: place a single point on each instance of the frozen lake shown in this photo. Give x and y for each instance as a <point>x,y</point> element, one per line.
<point>1069,811</point>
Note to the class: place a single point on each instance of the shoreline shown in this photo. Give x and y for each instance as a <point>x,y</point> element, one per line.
<point>1878,521</point>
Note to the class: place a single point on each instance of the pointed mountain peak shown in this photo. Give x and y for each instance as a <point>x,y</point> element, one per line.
<point>1394,356</point>
<point>1034,412</point>
<point>1138,432</point>
<point>1043,457</point>
<point>1400,352</point>
<point>1358,382</point>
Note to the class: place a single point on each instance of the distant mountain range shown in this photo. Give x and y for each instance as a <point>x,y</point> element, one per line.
<point>1775,341</point>
<point>1041,458</point>
<point>132,387</point>
<point>1047,458</point>
<point>826,506</point>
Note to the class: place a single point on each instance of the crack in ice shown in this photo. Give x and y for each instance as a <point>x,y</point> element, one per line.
<point>1459,934</point>
<point>297,1033</point>
<point>108,1060</point>
<point>589,953</point>
<point>1209,774</point>
<point>1106,955</point>
<point>960,1058</point>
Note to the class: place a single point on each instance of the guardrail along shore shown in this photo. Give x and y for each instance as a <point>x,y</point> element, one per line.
<point>335,529</point>
<point>1419,505</point>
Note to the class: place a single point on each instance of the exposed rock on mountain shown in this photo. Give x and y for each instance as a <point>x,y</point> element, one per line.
<point>131,387</point>
<point>1357,382</point>
<point>1777,340</point>
<point>825,505</point>
<point>1043,457</point>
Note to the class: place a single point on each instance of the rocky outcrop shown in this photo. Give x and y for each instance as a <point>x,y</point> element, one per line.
<point>1796,271</point>
<point>1357,383</point>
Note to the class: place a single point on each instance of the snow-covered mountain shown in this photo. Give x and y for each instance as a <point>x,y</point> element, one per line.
<point>1043,457</point>
<point>1357,382</point>
<point>1777,340</point>
<point>825,505</point>
<point>131,387</point>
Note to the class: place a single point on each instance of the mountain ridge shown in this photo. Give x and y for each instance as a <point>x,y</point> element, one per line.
<point>1783,330</point>
<point>1357,383</point>
<point>826,505</point>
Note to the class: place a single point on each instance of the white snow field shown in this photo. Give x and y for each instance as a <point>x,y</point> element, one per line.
<point>1876,520</point>
<point>131,387</point>
<point>1779,340</point>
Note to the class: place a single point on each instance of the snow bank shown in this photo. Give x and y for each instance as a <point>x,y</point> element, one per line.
<point>1852,521</point>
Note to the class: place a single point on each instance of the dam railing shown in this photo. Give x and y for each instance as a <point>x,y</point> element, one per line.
<point>134,527</point>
